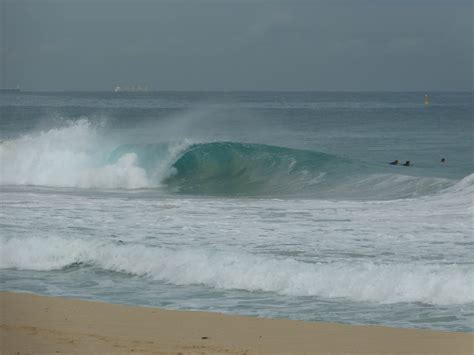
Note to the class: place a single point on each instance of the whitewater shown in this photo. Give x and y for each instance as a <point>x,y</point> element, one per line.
<point>267,204</point>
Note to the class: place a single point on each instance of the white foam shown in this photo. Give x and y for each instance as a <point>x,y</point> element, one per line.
<point>465,185</point>
<point>357,281</point>
<point>75,156</point>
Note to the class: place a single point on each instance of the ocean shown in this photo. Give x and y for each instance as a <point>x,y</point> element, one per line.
<point>270,204</point>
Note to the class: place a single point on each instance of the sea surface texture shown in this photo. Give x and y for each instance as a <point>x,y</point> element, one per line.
<point>267,204</point>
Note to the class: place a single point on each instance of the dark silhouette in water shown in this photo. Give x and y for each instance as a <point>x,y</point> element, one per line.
<point>407,163</point>
<point>395,162</point>
<point>443,160</point>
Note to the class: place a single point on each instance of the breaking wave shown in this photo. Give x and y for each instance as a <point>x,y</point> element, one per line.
<point>358,281</point>
<point>79,155</point>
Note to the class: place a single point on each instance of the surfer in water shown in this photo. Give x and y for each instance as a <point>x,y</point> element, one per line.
<point>407,163</point>
<point>395,162</point>
<point>443,160</point>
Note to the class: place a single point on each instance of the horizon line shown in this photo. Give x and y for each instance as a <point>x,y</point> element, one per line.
<point>236,90</point>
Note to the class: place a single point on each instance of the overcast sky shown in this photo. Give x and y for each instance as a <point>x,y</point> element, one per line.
<point>237,45</point>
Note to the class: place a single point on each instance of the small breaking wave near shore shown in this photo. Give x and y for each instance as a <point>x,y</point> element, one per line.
<point>357,281</point>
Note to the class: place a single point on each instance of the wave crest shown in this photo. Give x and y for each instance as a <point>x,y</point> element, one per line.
<point>358,281</point>
<point>79,155</point>
<point>71,156</point>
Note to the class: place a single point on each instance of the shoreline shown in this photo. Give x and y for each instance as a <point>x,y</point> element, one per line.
<point>34,324</point>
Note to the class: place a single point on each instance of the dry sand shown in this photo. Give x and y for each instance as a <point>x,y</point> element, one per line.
<point>38,324</point>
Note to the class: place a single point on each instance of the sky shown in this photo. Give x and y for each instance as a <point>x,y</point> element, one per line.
<point>331,45</point>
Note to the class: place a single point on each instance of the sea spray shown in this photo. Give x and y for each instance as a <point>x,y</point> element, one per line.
<point>69,156</point>
<point>75,155</point>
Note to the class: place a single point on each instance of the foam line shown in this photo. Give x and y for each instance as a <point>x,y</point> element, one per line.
<point>357,281</point>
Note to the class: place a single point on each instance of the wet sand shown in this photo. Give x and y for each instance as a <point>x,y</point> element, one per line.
<point>39,324</point>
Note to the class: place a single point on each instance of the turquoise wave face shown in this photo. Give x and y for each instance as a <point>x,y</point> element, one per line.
<point>242,169</point>
<point>248,169</point>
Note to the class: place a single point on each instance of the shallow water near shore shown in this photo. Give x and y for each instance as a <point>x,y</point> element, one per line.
<point>269,204</point>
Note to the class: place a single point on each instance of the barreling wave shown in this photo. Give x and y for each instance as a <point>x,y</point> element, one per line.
<point>79,155</point>
<point>255,169</point>
<point>238,168</point>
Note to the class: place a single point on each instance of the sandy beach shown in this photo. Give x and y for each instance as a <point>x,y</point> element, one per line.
<point>39,324</point>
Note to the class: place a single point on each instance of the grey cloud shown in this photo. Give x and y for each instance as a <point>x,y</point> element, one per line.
<point>237,45</point>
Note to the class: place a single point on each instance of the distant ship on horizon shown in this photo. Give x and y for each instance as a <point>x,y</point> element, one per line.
<point>132,88</point>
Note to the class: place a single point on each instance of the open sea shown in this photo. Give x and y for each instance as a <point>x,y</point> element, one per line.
<point>269,204</point>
